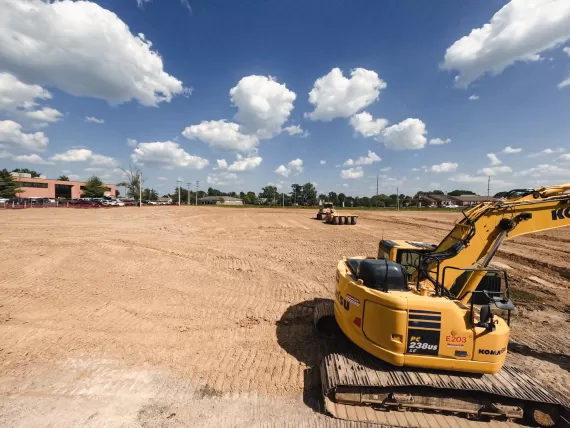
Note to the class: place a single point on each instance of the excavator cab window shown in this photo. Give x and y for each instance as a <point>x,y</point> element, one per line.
<point>410,260</point>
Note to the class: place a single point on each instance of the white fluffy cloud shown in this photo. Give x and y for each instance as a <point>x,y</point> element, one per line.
<point>244,163</point>
<point>366,125</point>
<point>352,173</point>
<point>84,50</point>
<point>102,160</point>
<point>408,134</point>
<point>323,162</point>
<point>519,31</point>
<point>494,159</point>
<point>294,167</point>
<point>222,178</point>
<point>364,160</point>
<point>95,120</point>
<point>546,152</point>
<point>221,135</point>
<point>33,158</point>
<point>296,130</point>
<point>565,157</point>
<point>544,170</point>
<point>263,105</point>
<point>21,99</point>
<point>11,135</point>
<point>131,142</point>
<point>222,164</point>
<point>439,141</point>
<point>510,149</point>
<point>45,114</point>
<point>15,94</point>
<point>494,170</point>
<point>445,167</point>
<point>473,97</point>
<point>74,155</point>
<point>334,95</point>
<point>166,154</point>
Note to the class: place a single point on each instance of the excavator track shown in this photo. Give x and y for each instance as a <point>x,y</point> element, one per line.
<point>360,387</point>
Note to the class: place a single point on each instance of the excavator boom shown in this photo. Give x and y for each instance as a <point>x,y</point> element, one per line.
<point>477,236</point>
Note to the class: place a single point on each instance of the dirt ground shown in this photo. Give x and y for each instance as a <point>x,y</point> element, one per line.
<point>201,316</point>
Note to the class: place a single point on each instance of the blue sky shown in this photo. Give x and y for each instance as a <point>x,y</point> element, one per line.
<point>425,94</point>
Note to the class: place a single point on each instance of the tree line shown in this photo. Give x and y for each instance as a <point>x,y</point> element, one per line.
<point>299,194</point>
<point>306,195</point>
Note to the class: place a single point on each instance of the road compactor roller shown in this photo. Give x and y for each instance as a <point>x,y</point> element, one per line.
<point>434,321</point>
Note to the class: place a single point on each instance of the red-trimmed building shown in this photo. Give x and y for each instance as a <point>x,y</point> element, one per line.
<point>42,187</point>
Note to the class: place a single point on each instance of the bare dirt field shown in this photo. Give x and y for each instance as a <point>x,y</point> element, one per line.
<point>202,316</point>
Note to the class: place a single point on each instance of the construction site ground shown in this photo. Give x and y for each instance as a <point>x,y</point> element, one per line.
<point>202,316</point>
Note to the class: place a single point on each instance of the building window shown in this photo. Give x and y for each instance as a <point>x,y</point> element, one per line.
<point>30,184</point>
<point>107,189</point>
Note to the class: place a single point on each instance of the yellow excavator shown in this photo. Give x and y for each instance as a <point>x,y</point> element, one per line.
<point>434,321</point>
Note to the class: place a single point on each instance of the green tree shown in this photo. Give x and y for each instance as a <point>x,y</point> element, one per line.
<point>133,181</point>
<point>341,198</point>
<point>269,193</point>
<point>323,197</point>
<point>461,192</point>
<point>27,171</point>
<point>250,198</point>
<point>333,198</point>
<point>8,186</point>
<point>63,178</point>
<point>297,193</point>
<point>94,188</point>
<point>309,194</point>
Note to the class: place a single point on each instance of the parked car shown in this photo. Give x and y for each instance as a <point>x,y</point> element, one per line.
<point>108,203</point>
<point>3,200</point>
<point>451,206</point>
<point>119,203</point>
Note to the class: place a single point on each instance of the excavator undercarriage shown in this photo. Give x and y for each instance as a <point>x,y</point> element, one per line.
<point>359,387</point>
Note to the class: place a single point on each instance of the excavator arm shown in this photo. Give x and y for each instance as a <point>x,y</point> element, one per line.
<point>477,236</point>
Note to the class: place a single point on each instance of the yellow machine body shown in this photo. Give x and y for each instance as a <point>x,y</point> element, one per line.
<point>432,324</point>
<point>405,328</point>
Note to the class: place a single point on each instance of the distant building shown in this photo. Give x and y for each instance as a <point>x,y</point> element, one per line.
<point>220,200</point>
<point>165,200</point>
<point>466,200</point>
<point>42,187</point>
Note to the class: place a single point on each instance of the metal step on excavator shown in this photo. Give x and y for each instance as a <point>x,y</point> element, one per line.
<point>434,323</point>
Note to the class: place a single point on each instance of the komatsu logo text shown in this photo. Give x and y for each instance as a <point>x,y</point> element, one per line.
<point>492,351</point>
<point>343,302</point>
<point>561,214</point>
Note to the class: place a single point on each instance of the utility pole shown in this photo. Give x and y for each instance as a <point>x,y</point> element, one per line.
<point>489,186</point>
<point>188,187</point>
<point>178,184</point>
<point>197,183</point>
<point>283,199</point>
<point>140,189</point>
<point>398,198</point>
<point>295,197</point>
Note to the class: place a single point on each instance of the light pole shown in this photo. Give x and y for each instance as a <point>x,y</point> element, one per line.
<point>140,189</point>
<point>188,186</point>
<point>178,184</point>
<point>197,184</point>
